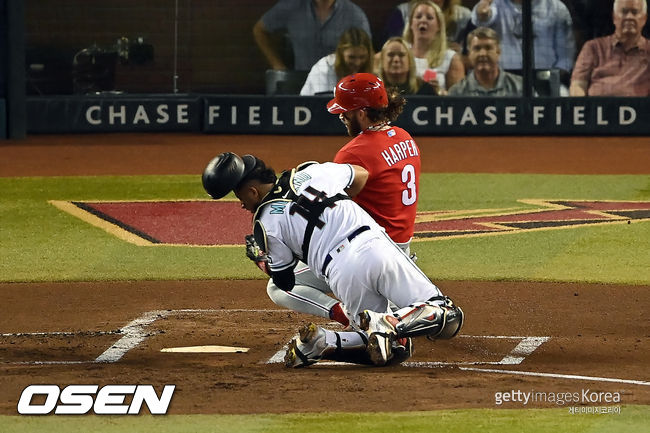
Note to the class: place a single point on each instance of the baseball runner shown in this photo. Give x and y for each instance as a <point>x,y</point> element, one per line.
<point>306,214</point>
<point>392,159</point>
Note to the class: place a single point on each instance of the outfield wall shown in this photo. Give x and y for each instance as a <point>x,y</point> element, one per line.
<point>307,115</point>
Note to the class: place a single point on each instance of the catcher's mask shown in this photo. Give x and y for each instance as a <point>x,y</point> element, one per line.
<point>225,172</point>
<point>358,91</point>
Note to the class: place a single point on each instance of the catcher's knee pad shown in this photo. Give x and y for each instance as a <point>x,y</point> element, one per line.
<point>435,320</point>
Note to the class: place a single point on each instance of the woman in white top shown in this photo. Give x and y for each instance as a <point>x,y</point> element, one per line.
<point>457,17</point>
<point>353,54</point>
<point>425,26</point>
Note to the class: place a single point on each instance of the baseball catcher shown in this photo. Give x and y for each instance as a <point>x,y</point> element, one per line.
<point>306,214</point>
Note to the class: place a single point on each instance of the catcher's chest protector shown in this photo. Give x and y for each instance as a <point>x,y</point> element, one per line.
<point>310,209</point>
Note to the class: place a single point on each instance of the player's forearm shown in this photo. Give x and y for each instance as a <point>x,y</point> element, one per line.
<point>285,279</point>
<point>360,179</point>
<point>263,40</point>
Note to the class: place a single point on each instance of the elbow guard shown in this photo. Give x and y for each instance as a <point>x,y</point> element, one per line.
<point>285,279</point>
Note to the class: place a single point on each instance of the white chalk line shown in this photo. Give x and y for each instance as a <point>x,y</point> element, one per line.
<point>522,350</point>
<point>556,375</point>
<point>48,362</point>
<point>526,346</point>
<point>133,334</point>
<point>59,334</point>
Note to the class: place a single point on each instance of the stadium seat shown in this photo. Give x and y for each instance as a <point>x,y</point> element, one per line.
<point>547,82</point>
<point>284,82</point>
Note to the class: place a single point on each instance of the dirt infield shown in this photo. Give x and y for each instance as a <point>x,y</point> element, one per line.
<point>124,154</point>
<point>542,337</point>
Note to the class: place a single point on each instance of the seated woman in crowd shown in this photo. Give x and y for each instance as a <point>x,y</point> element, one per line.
<point>457,18</point>
<point>425,32</point>
<point>354,53</point>
<point>397,69</point>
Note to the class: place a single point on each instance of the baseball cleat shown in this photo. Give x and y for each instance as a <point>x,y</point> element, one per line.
<point>379,349</point>
<point>291,358</point>
<point>308,348</point>
<point>381,335</point>
<point>402,350</point>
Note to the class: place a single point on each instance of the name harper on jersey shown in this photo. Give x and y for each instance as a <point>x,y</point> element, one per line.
<point>399,151</point>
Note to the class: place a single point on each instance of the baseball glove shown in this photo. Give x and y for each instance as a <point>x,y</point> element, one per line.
<point>255,253</point>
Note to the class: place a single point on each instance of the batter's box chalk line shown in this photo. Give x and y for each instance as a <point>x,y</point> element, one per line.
<point>132,334</point>
<point>135,332</point>
<point>526,346</point>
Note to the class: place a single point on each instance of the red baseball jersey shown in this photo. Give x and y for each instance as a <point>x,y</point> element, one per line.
<point>393,162</point>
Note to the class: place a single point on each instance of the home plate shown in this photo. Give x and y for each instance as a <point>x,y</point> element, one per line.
<point>206,349</point>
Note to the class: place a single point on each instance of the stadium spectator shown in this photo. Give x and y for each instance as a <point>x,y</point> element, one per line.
<point>618,64</point>
<point>487,78</point>
<point>397,69</point>
<point>553,39</point>
<point>313,28</point>
<point>593,19</point>
<point>456,19</point>
<point>354,53</point>
<point>426,24</point>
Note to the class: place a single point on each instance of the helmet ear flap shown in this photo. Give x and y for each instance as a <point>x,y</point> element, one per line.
<point>223,173</point>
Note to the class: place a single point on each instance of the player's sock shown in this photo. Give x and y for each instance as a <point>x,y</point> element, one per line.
<point>337,313</point>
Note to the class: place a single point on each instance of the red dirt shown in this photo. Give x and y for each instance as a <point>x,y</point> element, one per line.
<point>124,154</point>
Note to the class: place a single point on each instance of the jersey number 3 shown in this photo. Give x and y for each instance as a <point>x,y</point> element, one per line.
<point>409,195</point>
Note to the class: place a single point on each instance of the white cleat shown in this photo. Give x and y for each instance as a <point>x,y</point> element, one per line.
<point>308,349</point>
<point>381,336</point>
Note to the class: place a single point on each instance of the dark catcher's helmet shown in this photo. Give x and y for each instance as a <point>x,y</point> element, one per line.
<point>358,91</point>
<point>225,172</point>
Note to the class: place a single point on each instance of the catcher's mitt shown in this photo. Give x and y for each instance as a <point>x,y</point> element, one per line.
<point>255,253</point>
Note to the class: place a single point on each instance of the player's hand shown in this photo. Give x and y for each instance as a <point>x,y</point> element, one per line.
<point>255,253</point>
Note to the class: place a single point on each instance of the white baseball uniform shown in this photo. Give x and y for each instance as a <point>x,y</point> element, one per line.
<point>347,248</point>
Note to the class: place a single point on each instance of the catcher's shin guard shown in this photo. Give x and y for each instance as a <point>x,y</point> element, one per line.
<point>434,319</point>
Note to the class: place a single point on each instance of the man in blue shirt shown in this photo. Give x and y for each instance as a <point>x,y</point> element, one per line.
<point>554,43</point>
<point>313,28</point>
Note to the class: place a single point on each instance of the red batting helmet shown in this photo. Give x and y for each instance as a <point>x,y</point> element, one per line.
<point>358,91</point>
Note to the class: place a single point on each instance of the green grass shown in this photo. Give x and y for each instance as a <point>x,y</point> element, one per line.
<point>632,419</point>
<point>38,242</point>
<point>606,254</point>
